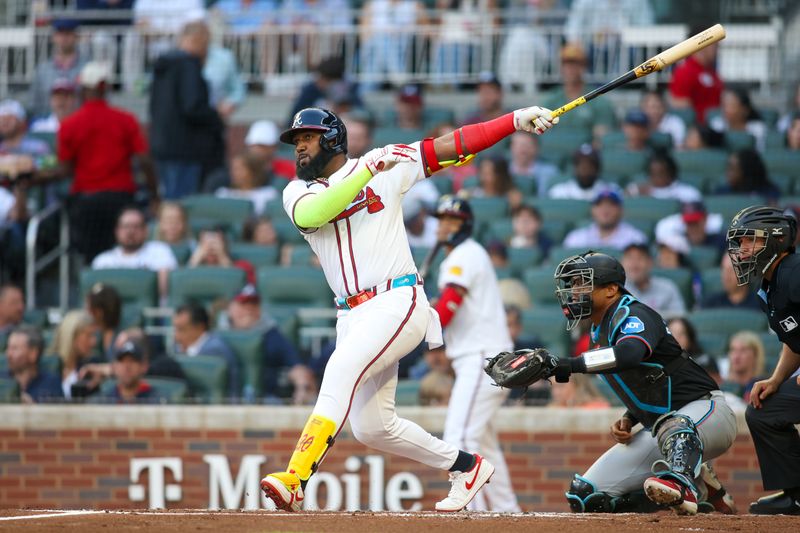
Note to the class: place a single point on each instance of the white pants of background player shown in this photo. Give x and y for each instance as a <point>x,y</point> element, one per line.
<point>360,379</point>
<point>474,402</point>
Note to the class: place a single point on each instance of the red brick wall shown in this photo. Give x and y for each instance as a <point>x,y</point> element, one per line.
<point>89,468</point>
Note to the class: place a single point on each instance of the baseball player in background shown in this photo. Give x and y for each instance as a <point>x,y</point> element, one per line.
<point>761,246</point>
<point>349,212</point>
<point>683,413</point>
<point>474,321</point>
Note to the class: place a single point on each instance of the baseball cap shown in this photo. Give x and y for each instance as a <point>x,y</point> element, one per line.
<point>129,348</point>
<point>675,242</point>
<point>411,93</point>
<point>63,85</point>
<point>573,52</point>
<point>607,194</point>
<point>489,78</point>
<point>636,117</point>
<point>693,212</point>
<point>94,73</point>
<point>12,107</point>
<point>586,150</point>
<point>65,24</point>
<point>248,295</point>
<point>262,132</point>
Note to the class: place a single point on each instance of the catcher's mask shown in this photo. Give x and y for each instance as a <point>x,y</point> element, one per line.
<point>577,276</point>
<point>758,235</point>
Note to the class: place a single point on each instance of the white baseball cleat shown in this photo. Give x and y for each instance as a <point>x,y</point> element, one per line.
<point>285,490</point>
<point>466,485</point>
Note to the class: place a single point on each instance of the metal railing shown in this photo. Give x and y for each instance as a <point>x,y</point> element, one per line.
<point>60,253</point>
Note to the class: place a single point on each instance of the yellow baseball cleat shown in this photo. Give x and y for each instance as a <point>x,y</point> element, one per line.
<point>285,490</point>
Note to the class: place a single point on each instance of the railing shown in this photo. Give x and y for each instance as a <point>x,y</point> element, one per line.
<point>60,253</point>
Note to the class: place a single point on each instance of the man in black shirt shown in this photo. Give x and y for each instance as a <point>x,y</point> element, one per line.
<point>684,414</point>
<point>761,247</point>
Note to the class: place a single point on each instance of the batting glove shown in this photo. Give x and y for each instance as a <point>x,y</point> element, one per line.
<point>534,119</point>
<point>383,159</point>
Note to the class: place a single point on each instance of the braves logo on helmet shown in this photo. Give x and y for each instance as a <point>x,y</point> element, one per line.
<point>458,208</point>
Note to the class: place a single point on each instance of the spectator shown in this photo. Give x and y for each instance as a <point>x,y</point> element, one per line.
<point>129,368</point>
<point>99,144</point>
<point>744,364</point>
<point>329,71</point>
<point>261,231</point>
<point>578,392</point>
<point>105,307</point>
<point>793,133</point>
<point>133,250</point>
<point>513,292</point>
<point>587,183</point>
<point>421,227</point>
<point>514,321</point>
<point>74,342</point>
<point>173,225</point>
<point>186,132</point>
<point>673,251</point>
<point>13,225</point>
<point>695,82</point>
<point>701,137</point>
<point>193,337</point>
<point>460,26</point>
<point>636,129</point>
<point>694,222</point>
<point>607,227</point>
<point>157,16</point>
<point>738,114</point>
<point>793,110</point>
<point>310,15</point>
<point>65,63</point>
<point>495,181</point>
<point>656,292</point>
<point>409,107</point>
<point>596,116</point>
<point>526,222</point>
<point>262,141</point>
<point>225,85</point>
<point>246,17</point>
<point>159,363</point>
<point>659,120</point>
<point>247,182</point>
<point>732,295</point>
<point>15,139</point>
<point>490,99</point>
<point>212,250</point>
<point>12,309</point>
<point>746,174</point>
<point>526,164</point>
<point>25,346</point>
<point>244,313</point>
<point>386,33</point>
<point>359,133</point>
<point>108,12</point>
<point>63,103</point>
<point>498,255</point>
<point>686,335</point>
<point>662,181</point>
<point>435,389</point>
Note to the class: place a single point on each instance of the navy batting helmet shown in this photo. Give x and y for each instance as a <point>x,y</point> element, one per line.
<point>756,237</point>
<point>578,275</point>
<point>334,134</point>
<point>456,207</point>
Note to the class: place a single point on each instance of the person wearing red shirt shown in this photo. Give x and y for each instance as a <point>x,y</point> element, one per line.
<point>695,83</point>
<point>97,145</point>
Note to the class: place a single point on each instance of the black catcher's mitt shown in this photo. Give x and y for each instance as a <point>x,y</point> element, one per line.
<point>521,368</point>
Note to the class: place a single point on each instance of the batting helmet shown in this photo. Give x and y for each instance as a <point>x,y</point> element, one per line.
<point>767,233</point>
<point>578,275</point>
<point>456,207</point>
<point>334,134</point>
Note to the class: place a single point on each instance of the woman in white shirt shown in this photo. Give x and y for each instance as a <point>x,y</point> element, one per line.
<point>247,182</point>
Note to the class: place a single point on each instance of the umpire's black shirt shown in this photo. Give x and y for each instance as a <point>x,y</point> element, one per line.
<point>780,299</point>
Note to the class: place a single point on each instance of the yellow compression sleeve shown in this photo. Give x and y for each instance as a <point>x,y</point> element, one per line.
<point>317,209</point>
<point>316,438</point>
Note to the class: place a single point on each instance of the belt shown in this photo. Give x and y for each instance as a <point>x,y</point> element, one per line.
<point>357,299</point>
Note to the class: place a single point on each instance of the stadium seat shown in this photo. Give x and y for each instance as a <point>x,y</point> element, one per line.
<point>300,254</point>
<point>547,322</point>
<point>206,210</point>
<point>287,232</point>
<point>782,161</point>
<point>275,211</point>
<point>559,253</point>
<point>644,224</point>
<point>785,182</point>
<point>569,211</point>
<point>9,391</point>
<point>169,390</point>
<point>776,140</point>
<point>560,144</point>
<point>137,288</point>
<point>701,183</point>
<point>297,286</point>
<point>729,204</point>
<point>182,252</point>
<point>708,163</point>
<point>703,257</point>
<point>660,140</point>
<point>395,135</point>
<point>407,393</point>
<point>204,284</point>
<point>682,277</point>
<point>649,208</point>
<point>711,280</point>
<point>521,259</point>
<point>498,230</point>
<point>713,344</point>
<point>256,254</point>
<point>685,113</point>
<point>739,140</point>
<point>489,209</point>
<point>541,285</point>
<point>432,116</point>
<point>556,229</point>
<point>728,321</point>
<point>623,163</point>
<point>248,347</point>
<point>443,184</point>
<point>525,184</point>
<point>206,376</point>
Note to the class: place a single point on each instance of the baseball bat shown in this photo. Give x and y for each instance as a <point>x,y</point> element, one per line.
<point>658,62</point>
<point>428,261</point>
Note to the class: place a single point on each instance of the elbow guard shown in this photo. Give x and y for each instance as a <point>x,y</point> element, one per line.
<point>448,304</point>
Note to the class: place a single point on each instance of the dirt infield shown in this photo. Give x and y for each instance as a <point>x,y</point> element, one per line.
<point>267,521</point>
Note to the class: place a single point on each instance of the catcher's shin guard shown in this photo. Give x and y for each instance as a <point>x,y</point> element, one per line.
<point>681,447</point>
<point>317,437</point>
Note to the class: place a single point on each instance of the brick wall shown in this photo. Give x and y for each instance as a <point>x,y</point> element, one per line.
<point>87,465</point>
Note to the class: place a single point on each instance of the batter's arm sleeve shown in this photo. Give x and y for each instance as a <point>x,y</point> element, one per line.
<point>317,209</point>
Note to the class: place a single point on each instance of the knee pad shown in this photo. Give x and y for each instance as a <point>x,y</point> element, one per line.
<point>680,445</point>
<point>583,497</point>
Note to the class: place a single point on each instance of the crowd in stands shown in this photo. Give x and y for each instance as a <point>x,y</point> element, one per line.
<point>168,219</point>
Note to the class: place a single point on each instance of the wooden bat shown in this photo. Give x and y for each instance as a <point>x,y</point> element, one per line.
<point>658,62</point>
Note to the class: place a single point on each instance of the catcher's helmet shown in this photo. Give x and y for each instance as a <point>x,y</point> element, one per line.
<point>459,208</point>
<point>578,275</point>
<point>334,134</point>
<point>756,237</point>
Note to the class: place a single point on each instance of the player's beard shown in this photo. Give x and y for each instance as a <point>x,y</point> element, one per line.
<point>315,166</point>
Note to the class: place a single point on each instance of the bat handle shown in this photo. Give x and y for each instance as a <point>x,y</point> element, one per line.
<point>568,107</point>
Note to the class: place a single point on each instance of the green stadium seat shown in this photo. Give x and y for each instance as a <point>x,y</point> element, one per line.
<point>785,182</point>
<point>287,232</point>
<point>701,183</point>
<point>711,280</point>
<point>661,141</point>
<point>169,390</point>
<point>708,163</point>
<point>644,224</point>
<point>685,113</point>
<point>521,259</point>
<point>547,322</point>
<point>562,210</point>
<point>775,140</point>
<point>407,393</point>
<point>623,163</point>
<point>395,135</point>
<point>35,317</point>
<point>769,115</point>
<point>525,184</point>
<point>498,230</point>
<point>729,204</point>
<point>489,209</point>
<point>556,229</point>
<point>443,184</point>
<point>9,391</point>
<point>182,252</point>
<point>137,288</point>
<point>541,285</point>
<point>682,277</point>
<point>206,376</point>
<point>204,284</point>
<point>249,350</point>
<point>782,161</point>
<point>207,210</point>
<point>301,254</point>
<point>297,286</point>
<point>649,208</point>
<point>713,344</point>
<point>560,144</point>
<point>275,211</point>
<point>614,140</point>
<point>559,253</point>
<point>739,140</point>
<point>257,254</point>
<point>702,257</point>
<point>727,321</point>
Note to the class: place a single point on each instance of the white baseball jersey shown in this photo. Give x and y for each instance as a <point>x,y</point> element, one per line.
<point>365,244</point>
<point>479,325</point>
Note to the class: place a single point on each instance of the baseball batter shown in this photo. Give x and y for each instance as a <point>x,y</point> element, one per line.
<point>475,327</point>
<point>349,212</point>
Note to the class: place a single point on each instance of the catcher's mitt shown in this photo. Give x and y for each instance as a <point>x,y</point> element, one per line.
<point>521,368</point>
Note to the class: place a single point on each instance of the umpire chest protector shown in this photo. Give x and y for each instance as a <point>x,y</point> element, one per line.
<point>780,299</point>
